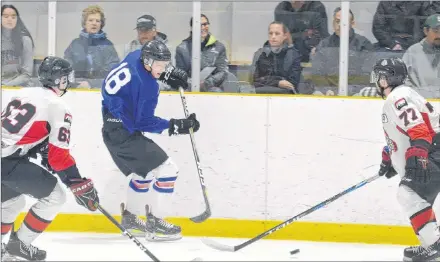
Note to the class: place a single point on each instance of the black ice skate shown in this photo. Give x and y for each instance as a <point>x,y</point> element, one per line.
<point>131,222</point>
<point>410,252</point>
<point>432,253</point>
<point>159,229</point>
<point>18,251</point>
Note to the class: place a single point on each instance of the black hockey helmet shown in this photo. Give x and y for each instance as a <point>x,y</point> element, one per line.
<point>52,69</point>
<point>393,70</point>
<point>154,51</point>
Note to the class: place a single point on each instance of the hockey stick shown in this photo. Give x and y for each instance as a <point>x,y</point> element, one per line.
<point>222,247</point>
<point>126,233</point>
<point>207,213</point>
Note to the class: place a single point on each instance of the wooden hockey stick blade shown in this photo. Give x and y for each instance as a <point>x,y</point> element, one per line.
<point>215,245</point>
<point>202,217</point>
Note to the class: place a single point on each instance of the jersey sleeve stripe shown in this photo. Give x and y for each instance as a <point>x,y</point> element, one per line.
<point>425,117</point>
<point>36,132</point>
<point>60,158</point>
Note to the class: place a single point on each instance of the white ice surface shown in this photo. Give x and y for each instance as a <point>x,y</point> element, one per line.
<point>113,247</point>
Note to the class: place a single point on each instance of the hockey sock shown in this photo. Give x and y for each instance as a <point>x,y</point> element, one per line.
<point>10,210</point>
<point>160,196</point>
<point>425,226</point>
<point>137,194</point>
<point>41,215</point>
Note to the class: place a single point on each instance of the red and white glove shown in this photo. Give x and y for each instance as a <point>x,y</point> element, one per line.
<point>84,192</point>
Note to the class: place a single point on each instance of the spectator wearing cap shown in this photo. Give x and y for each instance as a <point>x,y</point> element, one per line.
<point>423,59</point>
<point>213,55</point>
<point>92,55</point>
<point>146,31</point>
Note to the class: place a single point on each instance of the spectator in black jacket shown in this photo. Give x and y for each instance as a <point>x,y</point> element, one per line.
<point>277,68</point>
<point>399,24</point>
<point>306,21</point>
<point>434,8</point>
<point>326,59</point>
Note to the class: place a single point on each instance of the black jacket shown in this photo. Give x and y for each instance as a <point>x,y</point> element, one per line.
<point>270,67</point>
<point>399,22</point>
<point>434,8</point>
<point>311,15</point>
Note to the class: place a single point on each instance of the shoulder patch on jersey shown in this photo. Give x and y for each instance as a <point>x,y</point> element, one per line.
<point>384,118</point>
<point>401,103</point>
<point>68,118</point>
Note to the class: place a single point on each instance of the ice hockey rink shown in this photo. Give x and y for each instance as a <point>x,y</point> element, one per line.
<point>114,247</point>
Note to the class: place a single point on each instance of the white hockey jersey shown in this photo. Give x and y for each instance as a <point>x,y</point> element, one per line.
<point>407,116</point>
<point>32,115</point>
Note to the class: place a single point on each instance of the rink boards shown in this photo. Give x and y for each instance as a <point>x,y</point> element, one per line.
<point>265,159</point>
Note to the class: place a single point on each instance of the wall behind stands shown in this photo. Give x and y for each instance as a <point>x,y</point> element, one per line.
<point>265,158</point>
<point>241,26</point>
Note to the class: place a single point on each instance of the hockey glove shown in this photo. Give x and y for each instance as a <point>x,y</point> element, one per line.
<point>84,192</point>
<point>417,164</point>
<point>182,126</point>
<point>175,78</point>
<point>386,169</point>
<point>43,150</point>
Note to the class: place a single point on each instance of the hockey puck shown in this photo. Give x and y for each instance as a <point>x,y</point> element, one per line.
<point>295,251</point>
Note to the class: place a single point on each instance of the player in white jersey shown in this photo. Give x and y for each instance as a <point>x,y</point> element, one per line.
<point>35,142</point>
<point>411,127</point>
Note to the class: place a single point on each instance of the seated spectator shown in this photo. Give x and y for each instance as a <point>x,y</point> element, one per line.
<point>92,55</point>
<point>146,31</point>
<point>306,21</point>
<point>17,49</point>
<point>277,64</point>
<point>325,61</point>
<point>423,60</point>
<point>398,24</point>
<point>213,55</point>
<point>434,8</point>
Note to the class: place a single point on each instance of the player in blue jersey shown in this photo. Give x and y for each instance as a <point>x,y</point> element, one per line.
<point>130,96</point>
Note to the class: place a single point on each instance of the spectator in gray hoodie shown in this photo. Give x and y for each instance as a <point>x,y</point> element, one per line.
<point>213,54</point>
<point>423,60</point>
<point>17,49</point>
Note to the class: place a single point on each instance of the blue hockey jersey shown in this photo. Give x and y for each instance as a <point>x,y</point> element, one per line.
<point>131,94</point>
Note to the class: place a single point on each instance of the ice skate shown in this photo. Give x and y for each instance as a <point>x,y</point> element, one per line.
<point>131,222</point>
<point>410,252</point>
<point>16,250</point>
<point>432,253</point>
<point>159,229</point>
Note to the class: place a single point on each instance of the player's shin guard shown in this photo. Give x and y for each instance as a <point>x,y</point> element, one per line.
<point>157,228</point>
<point>136,200</point>
<point>10,210</point>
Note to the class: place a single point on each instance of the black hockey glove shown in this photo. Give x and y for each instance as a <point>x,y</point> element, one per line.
<point>84,192</point>
<point>417,164</point>
<point>182,126</point>
<point>43,150</point>
<point>175,78</point>
<point>386,169</point>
